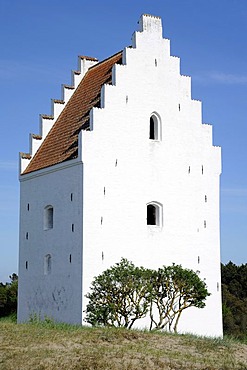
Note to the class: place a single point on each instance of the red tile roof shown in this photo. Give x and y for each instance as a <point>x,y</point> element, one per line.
<point>61,143</point>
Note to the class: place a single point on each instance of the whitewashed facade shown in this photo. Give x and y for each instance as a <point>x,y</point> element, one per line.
<point>79,217</point>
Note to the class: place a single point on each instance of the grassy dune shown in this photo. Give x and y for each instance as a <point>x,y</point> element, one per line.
<point>45,346</point>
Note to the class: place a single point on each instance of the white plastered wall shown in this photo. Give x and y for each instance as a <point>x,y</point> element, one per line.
<point>124,170</point>
<point>57,295</point>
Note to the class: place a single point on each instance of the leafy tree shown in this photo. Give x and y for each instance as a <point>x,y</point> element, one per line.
<point>3,298</point>
<point>8,296</point>
<point>235,277</point>
<point>174,290</point>
<point>124,293</point>
<point>234,299</point>
<point>119,296</point>
<point>234,314</point>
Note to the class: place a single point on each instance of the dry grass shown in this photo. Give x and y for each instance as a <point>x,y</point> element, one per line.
<point>48,346</point>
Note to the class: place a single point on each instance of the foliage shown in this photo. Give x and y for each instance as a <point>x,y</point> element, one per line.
<point>125,293</point>
<point>234,299</point>
<point>8,296</point>
<point>235,277</point>
<point>119,296</point>
<point>174,290</point>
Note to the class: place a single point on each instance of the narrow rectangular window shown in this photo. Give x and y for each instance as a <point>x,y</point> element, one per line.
<point>154,214</point>
<point>47,264</point>
<point>151,215</point>
<point>48,217</point>
<point>154,128</point>
<point>151,129</point>
<point>72,228</point>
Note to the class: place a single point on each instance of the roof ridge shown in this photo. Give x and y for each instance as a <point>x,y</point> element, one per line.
<point>105,60</point>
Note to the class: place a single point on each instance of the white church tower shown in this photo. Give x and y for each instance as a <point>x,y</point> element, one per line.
<point>123,167</point>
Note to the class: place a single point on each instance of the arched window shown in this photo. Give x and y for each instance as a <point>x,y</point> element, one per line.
<point>154,127</point>
<point>47,264</point>
<point>154,214</point>
<point>48,217</point>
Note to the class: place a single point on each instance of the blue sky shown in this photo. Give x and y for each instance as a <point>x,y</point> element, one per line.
<point>39,45</point>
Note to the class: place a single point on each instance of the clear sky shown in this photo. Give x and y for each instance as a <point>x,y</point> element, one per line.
<point>39,45</point>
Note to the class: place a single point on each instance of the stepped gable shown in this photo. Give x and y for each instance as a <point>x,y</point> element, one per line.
<point>61,143</point>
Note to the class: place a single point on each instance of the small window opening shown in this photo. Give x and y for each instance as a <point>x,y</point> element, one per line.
<point>205,224</point>
<point>101,220</point>
<point>28,206</point>
<point>70,258</point>
<point>72,227</point>
<point>26,265</point>
<point>116,163</point>
<point>48,218</point>
<point>47,264</point>
<point>202,170</point>
<point>198,259</point>
<point>218,286</point>
<point>71,197</point>
<point>104,190</point>
<point>155,62</point>
<point>151,215</point>
<point>102,256</point>
<point>206,199</point>
<point>179,107</point>
<point>154,128</point>
<point>27,236</point>
<point>154,214</point>
<point>189,169</point>
<point>151,129</point>
<point>127,99</point>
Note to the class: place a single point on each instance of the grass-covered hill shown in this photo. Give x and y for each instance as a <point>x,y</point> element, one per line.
<point>43,346</point>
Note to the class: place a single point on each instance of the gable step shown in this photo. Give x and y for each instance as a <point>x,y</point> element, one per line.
<point>34,143</point>
<point>46,123</point>
<point>67,92</point>
<point>56,107</point>
<point>24,160</point>
<point>76,78</point>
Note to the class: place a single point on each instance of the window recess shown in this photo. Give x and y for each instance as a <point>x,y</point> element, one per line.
<point>154,214</point>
